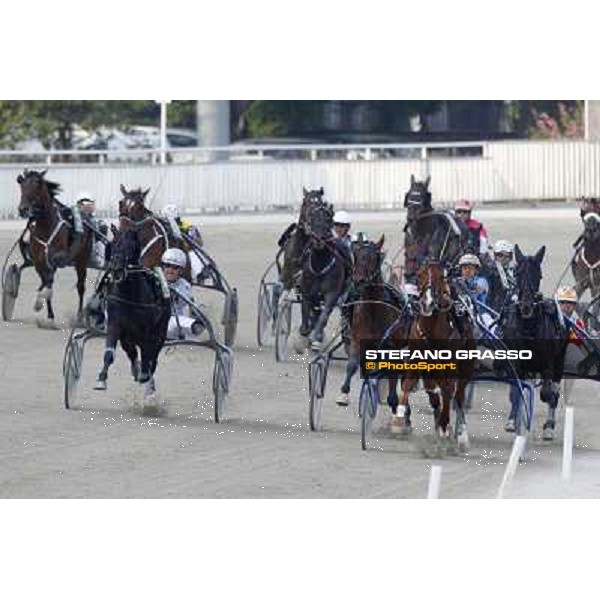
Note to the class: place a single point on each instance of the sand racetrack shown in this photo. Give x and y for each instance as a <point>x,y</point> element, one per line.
<point>264,449</point>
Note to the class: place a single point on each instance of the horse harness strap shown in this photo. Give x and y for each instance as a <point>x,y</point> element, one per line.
<point>157,237</point>
<point>46,244</point>
<point>589,266</point>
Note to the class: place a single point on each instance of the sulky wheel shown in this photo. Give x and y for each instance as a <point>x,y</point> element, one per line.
<point>316,386</point>
<point>265,314</point>
<point>221,378</point>
<point>230,319</point>
<point>283,327</point>
<point>368,410</point>
<point>10,291</point>
<point>72,369</point>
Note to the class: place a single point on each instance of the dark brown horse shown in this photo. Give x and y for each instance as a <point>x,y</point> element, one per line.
<point>378,313</point>
<point>435,329</point>
<point>54,243</point>
<point>154,236</point>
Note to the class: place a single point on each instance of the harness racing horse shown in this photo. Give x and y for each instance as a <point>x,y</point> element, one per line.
<point>294,239</point>
<point>54,243</point>
<point>435,329</point>
<point>535,323</point>
<point>429,234</point>
<point>586,263</point>
<point>325,273</point>
<point>137,313</point>
<point>378,313</point>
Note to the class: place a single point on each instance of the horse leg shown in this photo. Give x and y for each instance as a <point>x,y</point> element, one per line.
<point>435,402</point>
<point>393,399</point>
<point>400,420</point>
<point>81,270</point>
<point>514,396</point>
<point>462,434</point>
<point>351,368</point>
<point>550,393</point>
<point>446,387</point>
<point>131,351</point>
<point>110,345</point>
<point>318,331</point>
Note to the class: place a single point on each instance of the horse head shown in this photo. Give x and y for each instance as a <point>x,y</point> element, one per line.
<point>528,275</point>
<point>434,289</point>
<point>308,197</point>
<point>591,227</point>
<point>368,257</point>
<point>418,198</point>
<point>36,194</point>
<point>126,249</point>
<point>319,222</point>
<point>132,206</point>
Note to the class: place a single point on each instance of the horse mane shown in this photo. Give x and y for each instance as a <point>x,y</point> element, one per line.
<point>53,187</point>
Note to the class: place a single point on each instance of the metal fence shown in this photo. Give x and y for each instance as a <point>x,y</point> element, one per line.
<point>355,177</point>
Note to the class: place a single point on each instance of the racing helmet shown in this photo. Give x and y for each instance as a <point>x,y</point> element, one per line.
<point>411,289</point>
<point>566,293</point>
<point>341,217</point>
<point>170,211</point>
<point>463,204</point>
<point>469,259</point>
<point>174,256</point>
<point>503,246</point>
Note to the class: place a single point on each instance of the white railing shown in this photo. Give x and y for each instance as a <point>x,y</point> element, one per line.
<point>246,177</point>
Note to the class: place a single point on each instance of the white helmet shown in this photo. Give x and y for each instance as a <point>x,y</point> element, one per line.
<point>85,195</point>
<point>342,217</point>
<point>170,211</point>
<point>174,256</point>
<point>503,246</point>
<point>469,259</point>
<point>411,289</point>
<point>566,293</point>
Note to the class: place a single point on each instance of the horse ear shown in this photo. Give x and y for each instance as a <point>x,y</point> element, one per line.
<point>304,191</point>
<point>321,190</point>
<point>123,190</point>
<point>412,179</point>
<point>145,193</point>
<point>539,255</point>
<point>20,179</point>
<point>42,173</point>
<point>518,254</point>
<point>427,181</point>
<point>381,241</point>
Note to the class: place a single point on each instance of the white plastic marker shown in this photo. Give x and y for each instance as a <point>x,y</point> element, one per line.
<point>568,443</point>
<point>513,461</point>
<point>435,478</point>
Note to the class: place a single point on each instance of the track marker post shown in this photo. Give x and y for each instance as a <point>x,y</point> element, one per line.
<point>435,478</point>
<point>568,443</point>
<point>513,461</point>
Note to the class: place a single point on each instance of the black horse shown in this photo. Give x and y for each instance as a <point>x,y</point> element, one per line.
<point>586,263</point>
<point>326,264</point>
<point>137,312</point>
<point>428,234</point>
<point>534,323</point>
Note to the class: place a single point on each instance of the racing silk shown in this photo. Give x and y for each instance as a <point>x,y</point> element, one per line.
<point>185,289</point>
<point>477,287</point>
<point>574,337</point>
<point>478,237</point>
<point>189,229</point>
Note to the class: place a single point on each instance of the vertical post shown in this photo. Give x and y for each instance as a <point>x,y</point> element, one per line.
<point>435,478</point>
<point>513,461</point>
<point>163,130</point>
<point>568,443</point>
<point>586,120</point>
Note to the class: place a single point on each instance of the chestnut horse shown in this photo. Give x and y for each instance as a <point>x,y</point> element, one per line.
<point>53,243</point>
<point>435,329</point>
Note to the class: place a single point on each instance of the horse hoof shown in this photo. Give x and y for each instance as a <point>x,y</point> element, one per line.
<point>300,344</point>
<point>343,399</point>
<point>316,346</point>
<point>38,305</point>
<point>399,426</point>
<point>510,426</point>
<point>100,385</point>
<point>548,434</point>
<point>463,443</point>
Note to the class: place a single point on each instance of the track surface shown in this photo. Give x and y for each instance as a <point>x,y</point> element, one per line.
<point>102,449</point>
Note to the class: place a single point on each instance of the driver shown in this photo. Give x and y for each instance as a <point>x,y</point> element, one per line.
<point>180,322</point>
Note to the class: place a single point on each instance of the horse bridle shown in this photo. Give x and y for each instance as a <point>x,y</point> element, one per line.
<point>159,229</point>
<point>375,273</point>
<point>435,303</point>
